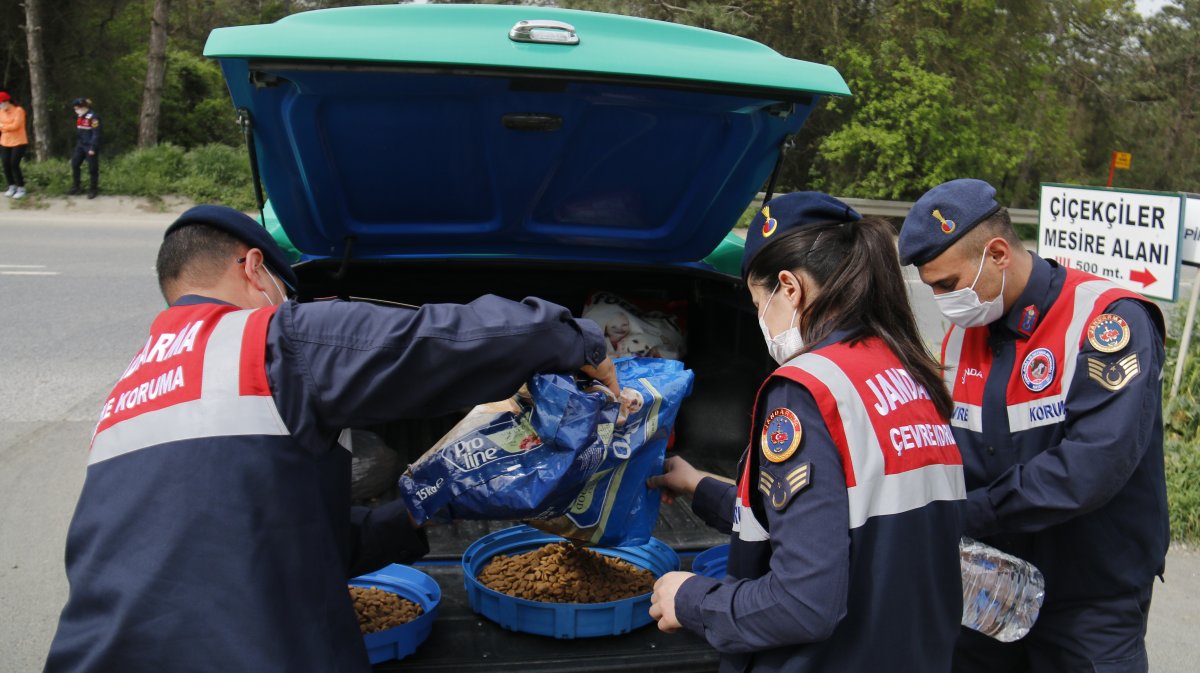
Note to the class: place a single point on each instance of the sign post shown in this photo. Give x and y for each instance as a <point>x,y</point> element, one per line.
<point>1129,237</point>
<point>1190,255</point>
<point>1120,160</point>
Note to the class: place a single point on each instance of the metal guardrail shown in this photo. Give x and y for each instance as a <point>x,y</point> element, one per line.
<point>898,209</point>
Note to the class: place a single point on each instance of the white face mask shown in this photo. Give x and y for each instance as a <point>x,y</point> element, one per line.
<point>277,289</point>
<point>963,307</point>
<point>785,344</point>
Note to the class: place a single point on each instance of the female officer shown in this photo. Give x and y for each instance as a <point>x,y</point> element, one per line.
<point>13,142</point>
<point>844,553</point>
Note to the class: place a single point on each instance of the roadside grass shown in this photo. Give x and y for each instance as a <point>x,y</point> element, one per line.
<point>1181,428</point>
<point>207,174</point>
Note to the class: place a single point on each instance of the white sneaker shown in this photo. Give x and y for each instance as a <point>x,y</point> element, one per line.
<point>19,194</point>
<point>12,189</point>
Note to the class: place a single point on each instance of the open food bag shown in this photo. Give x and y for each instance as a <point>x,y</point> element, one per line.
<point>525,456</point>
<point>571,459</point>
<point>615,509</point>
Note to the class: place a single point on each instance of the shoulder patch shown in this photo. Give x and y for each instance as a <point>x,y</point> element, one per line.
<point>781,435</point>
<point>779,490</point>
<point>1108,333</point>
<point>1114,376</point>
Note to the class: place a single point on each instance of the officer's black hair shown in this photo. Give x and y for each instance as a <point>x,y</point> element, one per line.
<point>862,291</point>
<point>996,225</point>
<point>196,255</point>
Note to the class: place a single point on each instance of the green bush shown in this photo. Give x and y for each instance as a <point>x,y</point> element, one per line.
<point>211,173</point>
<point>1181,425</point>
<point>1183,489</point>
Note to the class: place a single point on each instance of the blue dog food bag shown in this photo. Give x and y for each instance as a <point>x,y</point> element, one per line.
<point>570,459</point>
<point>524,457</point>
<point>614,508</point>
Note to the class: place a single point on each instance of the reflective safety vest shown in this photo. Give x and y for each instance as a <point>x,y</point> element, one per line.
<point>201,374</point>
<point>203,519</point>
<point>897,454</point>
<point>1044,364</point>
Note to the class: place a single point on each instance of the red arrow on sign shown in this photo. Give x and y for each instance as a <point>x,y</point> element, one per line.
<point>1144,277</point>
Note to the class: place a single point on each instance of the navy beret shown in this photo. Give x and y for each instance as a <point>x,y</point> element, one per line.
<point>245,229</point>
<point>942,216</point>
<point>789,213</point>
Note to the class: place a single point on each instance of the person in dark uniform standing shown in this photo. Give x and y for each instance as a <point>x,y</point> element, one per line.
<point>1055,376</point>
<point>215,530</point>
<point>845,516</point>
<point>87,146</point>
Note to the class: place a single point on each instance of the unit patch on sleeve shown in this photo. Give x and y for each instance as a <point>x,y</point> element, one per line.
<point>1108,333</point>
<point>1037,371</point>
<point>779,490</point>
<point>781,435</point>
<point>1114,375</point>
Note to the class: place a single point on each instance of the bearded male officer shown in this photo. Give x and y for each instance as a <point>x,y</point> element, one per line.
<point>1056,380</point>
<point>215,531</point>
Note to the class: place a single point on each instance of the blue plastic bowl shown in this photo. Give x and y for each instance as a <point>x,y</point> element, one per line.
<point>400,641</point>
<point>712,562</point>
<point>560,620</point>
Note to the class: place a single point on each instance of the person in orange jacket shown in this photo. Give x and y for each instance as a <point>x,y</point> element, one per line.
<point>13,142</point>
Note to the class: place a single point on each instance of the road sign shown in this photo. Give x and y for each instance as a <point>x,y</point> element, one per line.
<point>1190,253</point>
<point>1130,237</point>
<point>1121,160</point>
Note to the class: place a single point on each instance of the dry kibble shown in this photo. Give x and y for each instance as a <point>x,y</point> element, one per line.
<point>565,573</point>
<point>378,609</point>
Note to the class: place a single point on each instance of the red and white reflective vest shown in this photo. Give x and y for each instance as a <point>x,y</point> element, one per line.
<point>897,454</point>
<point>201,374</point>
<point>967,358</point>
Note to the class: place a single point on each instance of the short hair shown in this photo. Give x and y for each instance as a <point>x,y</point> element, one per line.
<point>996,225</point>
<point>195,255</point>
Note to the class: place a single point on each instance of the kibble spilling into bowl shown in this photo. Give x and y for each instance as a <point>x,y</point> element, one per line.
<point>378,609</point>
<point>565,573</point>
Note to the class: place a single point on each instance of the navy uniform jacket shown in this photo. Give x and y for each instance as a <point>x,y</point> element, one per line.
<point>214,531</point>
<point>87,131</point>
<point>1062,442</point>
<point>838,578</point>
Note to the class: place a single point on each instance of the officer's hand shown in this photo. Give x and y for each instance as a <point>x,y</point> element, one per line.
<point>605,373</point>
<point>662,601</point>
<point>91,153</point>
<point>678,478</point>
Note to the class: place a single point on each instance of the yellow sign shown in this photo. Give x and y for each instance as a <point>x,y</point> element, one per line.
<point>1121,160</point>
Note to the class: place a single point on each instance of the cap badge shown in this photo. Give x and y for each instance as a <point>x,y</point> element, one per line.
<point>948,226</point>
<point>770,225</point>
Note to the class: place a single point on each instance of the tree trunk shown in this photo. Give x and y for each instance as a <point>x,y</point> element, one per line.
<point>156,68</point>
<point>37,80</point>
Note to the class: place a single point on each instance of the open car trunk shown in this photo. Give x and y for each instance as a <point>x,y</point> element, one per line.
<point>435,153</point>
<point>724,349</point>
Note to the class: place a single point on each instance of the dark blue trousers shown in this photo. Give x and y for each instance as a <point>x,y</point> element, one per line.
<point>1098,636</point>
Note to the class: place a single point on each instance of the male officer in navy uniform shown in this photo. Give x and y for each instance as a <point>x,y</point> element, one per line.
<point>87,146</point>
<point>1056,381</point>
<point>215,530</point>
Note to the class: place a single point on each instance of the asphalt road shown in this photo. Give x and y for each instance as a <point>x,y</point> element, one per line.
<point>77,292</point>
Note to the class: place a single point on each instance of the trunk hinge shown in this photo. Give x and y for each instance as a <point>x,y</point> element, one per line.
<point>247,126</point>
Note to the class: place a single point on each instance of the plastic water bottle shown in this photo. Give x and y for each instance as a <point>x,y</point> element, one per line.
<point>1002,594</point>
